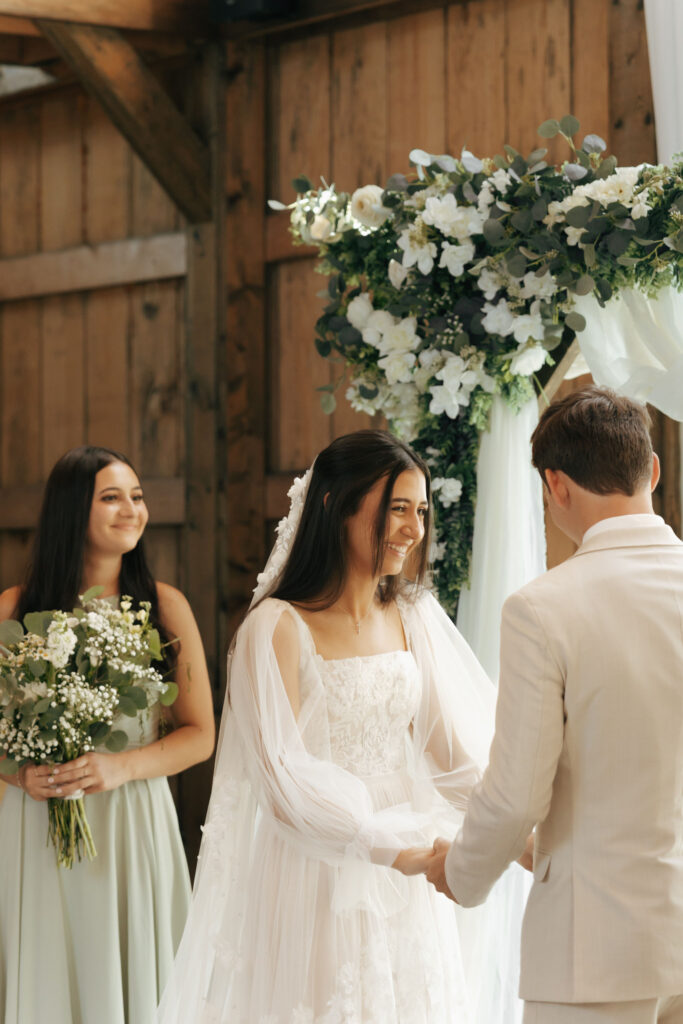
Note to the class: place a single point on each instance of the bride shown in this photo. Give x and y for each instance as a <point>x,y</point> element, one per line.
<point>357,721</point>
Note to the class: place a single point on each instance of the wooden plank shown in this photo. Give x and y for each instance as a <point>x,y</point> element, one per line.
<point>361,142</point>
<point>107,419</point>
<point>17,26</point>
<point>298,426</point>
<point>165,499</point>
<point>63,419</point>
<point>299,103</point>
<point>475,87</point>
<point>590,66</point>
<point>157,382</point>
<point>359,106</point>
<point>555,381</point>
<point>107,172</point>
<point>416,93</point>
<point>279,242</point>
<point>150,15</point>
<point>88,267</point>
<point>632,127</point>
<point>242,362</point>
<point>111,69</point>
<point>61,178</point>
<point>19,181</point>
<point>538,76</point>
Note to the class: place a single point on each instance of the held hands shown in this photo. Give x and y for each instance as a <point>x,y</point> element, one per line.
<point>429,862</point>
<point>91,773</point>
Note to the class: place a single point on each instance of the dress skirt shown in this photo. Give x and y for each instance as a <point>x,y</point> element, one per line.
<point>92,944</point>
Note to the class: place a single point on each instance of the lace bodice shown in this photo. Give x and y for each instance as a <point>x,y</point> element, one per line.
<point>370,704</point>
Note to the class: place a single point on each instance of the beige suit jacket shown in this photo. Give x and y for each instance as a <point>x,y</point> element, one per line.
<point>589,747</point>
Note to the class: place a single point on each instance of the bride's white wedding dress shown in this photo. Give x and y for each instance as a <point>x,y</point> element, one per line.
<point>297,917</point>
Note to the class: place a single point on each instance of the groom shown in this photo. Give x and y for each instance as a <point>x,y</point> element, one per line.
<point>589,737</point>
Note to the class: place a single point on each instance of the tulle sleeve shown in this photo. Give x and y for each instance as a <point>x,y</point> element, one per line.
<point>453,728</point>
<point>314,802</point>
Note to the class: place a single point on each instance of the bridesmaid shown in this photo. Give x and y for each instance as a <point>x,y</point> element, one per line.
<point>95,943</point>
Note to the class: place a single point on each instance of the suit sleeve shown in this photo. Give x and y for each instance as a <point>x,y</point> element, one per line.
<point>516,790</point>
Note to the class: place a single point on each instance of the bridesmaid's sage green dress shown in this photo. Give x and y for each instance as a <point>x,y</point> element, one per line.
<point>93,944</point>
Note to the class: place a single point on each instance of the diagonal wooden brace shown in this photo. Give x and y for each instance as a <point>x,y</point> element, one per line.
<point>113,72</point>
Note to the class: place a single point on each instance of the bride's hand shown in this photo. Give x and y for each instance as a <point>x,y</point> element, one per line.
<point>414,861</point>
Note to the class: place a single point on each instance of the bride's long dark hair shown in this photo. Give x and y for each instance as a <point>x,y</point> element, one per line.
<point>55,571</point>
<point>345,472</point>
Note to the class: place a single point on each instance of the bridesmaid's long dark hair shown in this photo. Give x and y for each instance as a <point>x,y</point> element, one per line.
<point>345,471</point>
<point>56,567</point>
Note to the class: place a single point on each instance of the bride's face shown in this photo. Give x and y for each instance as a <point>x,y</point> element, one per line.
<point>405,525</point>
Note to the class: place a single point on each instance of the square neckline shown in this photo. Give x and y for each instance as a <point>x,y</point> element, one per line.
<point>353,657</point>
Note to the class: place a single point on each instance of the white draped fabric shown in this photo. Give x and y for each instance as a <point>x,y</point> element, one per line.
<point>635,345</point>
<point>508,550</point>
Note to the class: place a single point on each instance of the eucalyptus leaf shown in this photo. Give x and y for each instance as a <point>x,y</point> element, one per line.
<point>36,666</point>
<point>584,285</point>
<point>368,390</point>
<point>41,706</point>
<point>420,158</point>
<point>137,695</point>
<point>516,264</point>
<point>494,232</point>
<point>579,216</point>
<point>116,741</point>
<point>618,242</point>
<point>37,622</point>
<point>500,162</point>
<point>324,347</point>
<point>604,289</point>
<point>471,162</point>
<point>468,193</point>
<point>549,129</point>
<point>99,732</point>
<point>91,593</point>
<point>575,322</point>
<point>607,167</point>
<point>396,183</point>
<point>589,254</point>
<point>446,163</point>
<point>301,184</point>
<point>627,261</point>
<point>127,707</point>
<point>170,694</point>
<point>593,144</point>
<point>11,632</point>
<point>328,403</point>
<point>350,336</point>
<point>275,204</point>
<point>536,155</point>
<point>539,209</point>
<point>569,125</point>
<point>575,172</point>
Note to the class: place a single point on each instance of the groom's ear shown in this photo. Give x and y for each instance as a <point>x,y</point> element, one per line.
<point>556,482</point>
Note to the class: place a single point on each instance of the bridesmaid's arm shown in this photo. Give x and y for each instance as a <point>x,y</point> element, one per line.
<point>9,600</point>
<point>193,735</point>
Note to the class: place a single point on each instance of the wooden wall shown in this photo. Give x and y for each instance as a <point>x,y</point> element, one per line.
<point>121,356</point>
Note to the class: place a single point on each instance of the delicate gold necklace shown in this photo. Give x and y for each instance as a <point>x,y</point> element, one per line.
<point>357,622</point>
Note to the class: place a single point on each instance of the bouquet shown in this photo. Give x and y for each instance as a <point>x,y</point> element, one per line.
<point>63,682</point>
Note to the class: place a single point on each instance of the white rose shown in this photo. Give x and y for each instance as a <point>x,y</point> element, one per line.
<point>359,311</point>
<point>527,359</point>
<point>366,206</point>
<point>321,228</point>
<point>400,337</point>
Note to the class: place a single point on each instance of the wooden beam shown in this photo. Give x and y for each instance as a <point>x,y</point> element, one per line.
<point>112,71</point>
<point>86,267</point>
<point>559,373</point>
<point>185,16</point>
<point>17,26</point>
<point>164,496</point>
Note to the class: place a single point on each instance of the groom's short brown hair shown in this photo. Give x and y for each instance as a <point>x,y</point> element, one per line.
<point>598,438</point>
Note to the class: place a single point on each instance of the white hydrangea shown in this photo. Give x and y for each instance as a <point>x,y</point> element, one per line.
<point>529,358</point>
<point>359,311</point>
<point>456,257</point>
<point>418,251</point>
<point>498,319</point>
<point>378,323</point>
<point>397,366</point>
<point>447,490</point>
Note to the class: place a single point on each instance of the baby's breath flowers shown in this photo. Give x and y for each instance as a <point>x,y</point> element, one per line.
<point>63,683</point>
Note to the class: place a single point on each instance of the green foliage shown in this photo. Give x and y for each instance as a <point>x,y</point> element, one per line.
<point>455,283</point>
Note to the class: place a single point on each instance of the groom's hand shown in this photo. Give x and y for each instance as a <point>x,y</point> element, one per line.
<point>436,873</point>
